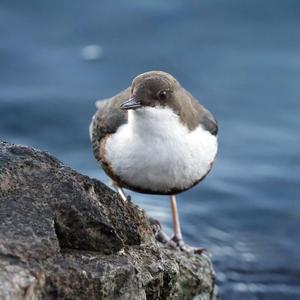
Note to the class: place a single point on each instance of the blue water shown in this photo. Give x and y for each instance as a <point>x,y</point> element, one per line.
<point>241,58</point>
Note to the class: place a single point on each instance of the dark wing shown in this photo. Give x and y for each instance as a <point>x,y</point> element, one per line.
<point>209,122</point>
<point>195,114</point>
<point>108,118</point>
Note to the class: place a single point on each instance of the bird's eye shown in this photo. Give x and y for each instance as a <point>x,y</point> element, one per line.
<point>162,95</point>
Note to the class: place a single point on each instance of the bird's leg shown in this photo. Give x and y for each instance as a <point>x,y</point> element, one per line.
<point>177,237</point>
<point>120,191</point>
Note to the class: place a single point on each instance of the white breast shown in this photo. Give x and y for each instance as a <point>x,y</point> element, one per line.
<point>155,151</point>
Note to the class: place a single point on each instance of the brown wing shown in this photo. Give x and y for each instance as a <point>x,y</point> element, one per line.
<point>108,118</point>
<point>192,113</point>
<point>205,118</point>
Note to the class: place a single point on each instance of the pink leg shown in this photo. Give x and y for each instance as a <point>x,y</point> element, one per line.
<point>120,191</point>
<point>175,218</point>
<point>177,237</point>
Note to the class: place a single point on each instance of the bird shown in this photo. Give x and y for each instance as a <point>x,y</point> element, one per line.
<point>154,137</point>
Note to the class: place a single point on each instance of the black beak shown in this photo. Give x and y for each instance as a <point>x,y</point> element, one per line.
<point>132,103</point>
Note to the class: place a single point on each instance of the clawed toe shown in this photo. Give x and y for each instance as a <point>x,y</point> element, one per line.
<point>179,244</point>
<point>190,249</point>
<point>174,242</point>
<point>160,235</point>
<point>187,248</point>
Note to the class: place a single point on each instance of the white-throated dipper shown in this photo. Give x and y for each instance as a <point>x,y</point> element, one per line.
<point>155,138</point>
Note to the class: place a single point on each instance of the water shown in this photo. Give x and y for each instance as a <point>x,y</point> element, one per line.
<point>241,58</point>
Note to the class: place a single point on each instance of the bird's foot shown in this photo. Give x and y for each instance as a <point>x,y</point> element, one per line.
<point>157,228</point>
<point>174,242</point>
<point>159,234</point>
<point>179,242</point>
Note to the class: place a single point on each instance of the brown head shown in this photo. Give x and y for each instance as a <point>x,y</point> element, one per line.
<point>154,88</point>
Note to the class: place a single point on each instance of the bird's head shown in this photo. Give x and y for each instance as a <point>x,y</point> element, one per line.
<point>154,88</point>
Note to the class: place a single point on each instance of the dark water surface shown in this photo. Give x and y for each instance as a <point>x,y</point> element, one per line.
<point>241,58</point>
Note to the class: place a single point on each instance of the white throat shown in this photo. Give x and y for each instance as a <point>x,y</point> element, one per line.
<point>152,119</point>
<point>155,151</point>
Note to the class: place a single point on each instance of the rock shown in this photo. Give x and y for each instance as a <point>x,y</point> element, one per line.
<point>66,236</point>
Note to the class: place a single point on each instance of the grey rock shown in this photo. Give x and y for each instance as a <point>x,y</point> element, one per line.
<point>66,236</point>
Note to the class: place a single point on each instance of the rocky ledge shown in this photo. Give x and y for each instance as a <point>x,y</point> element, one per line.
<point>66,236</point>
